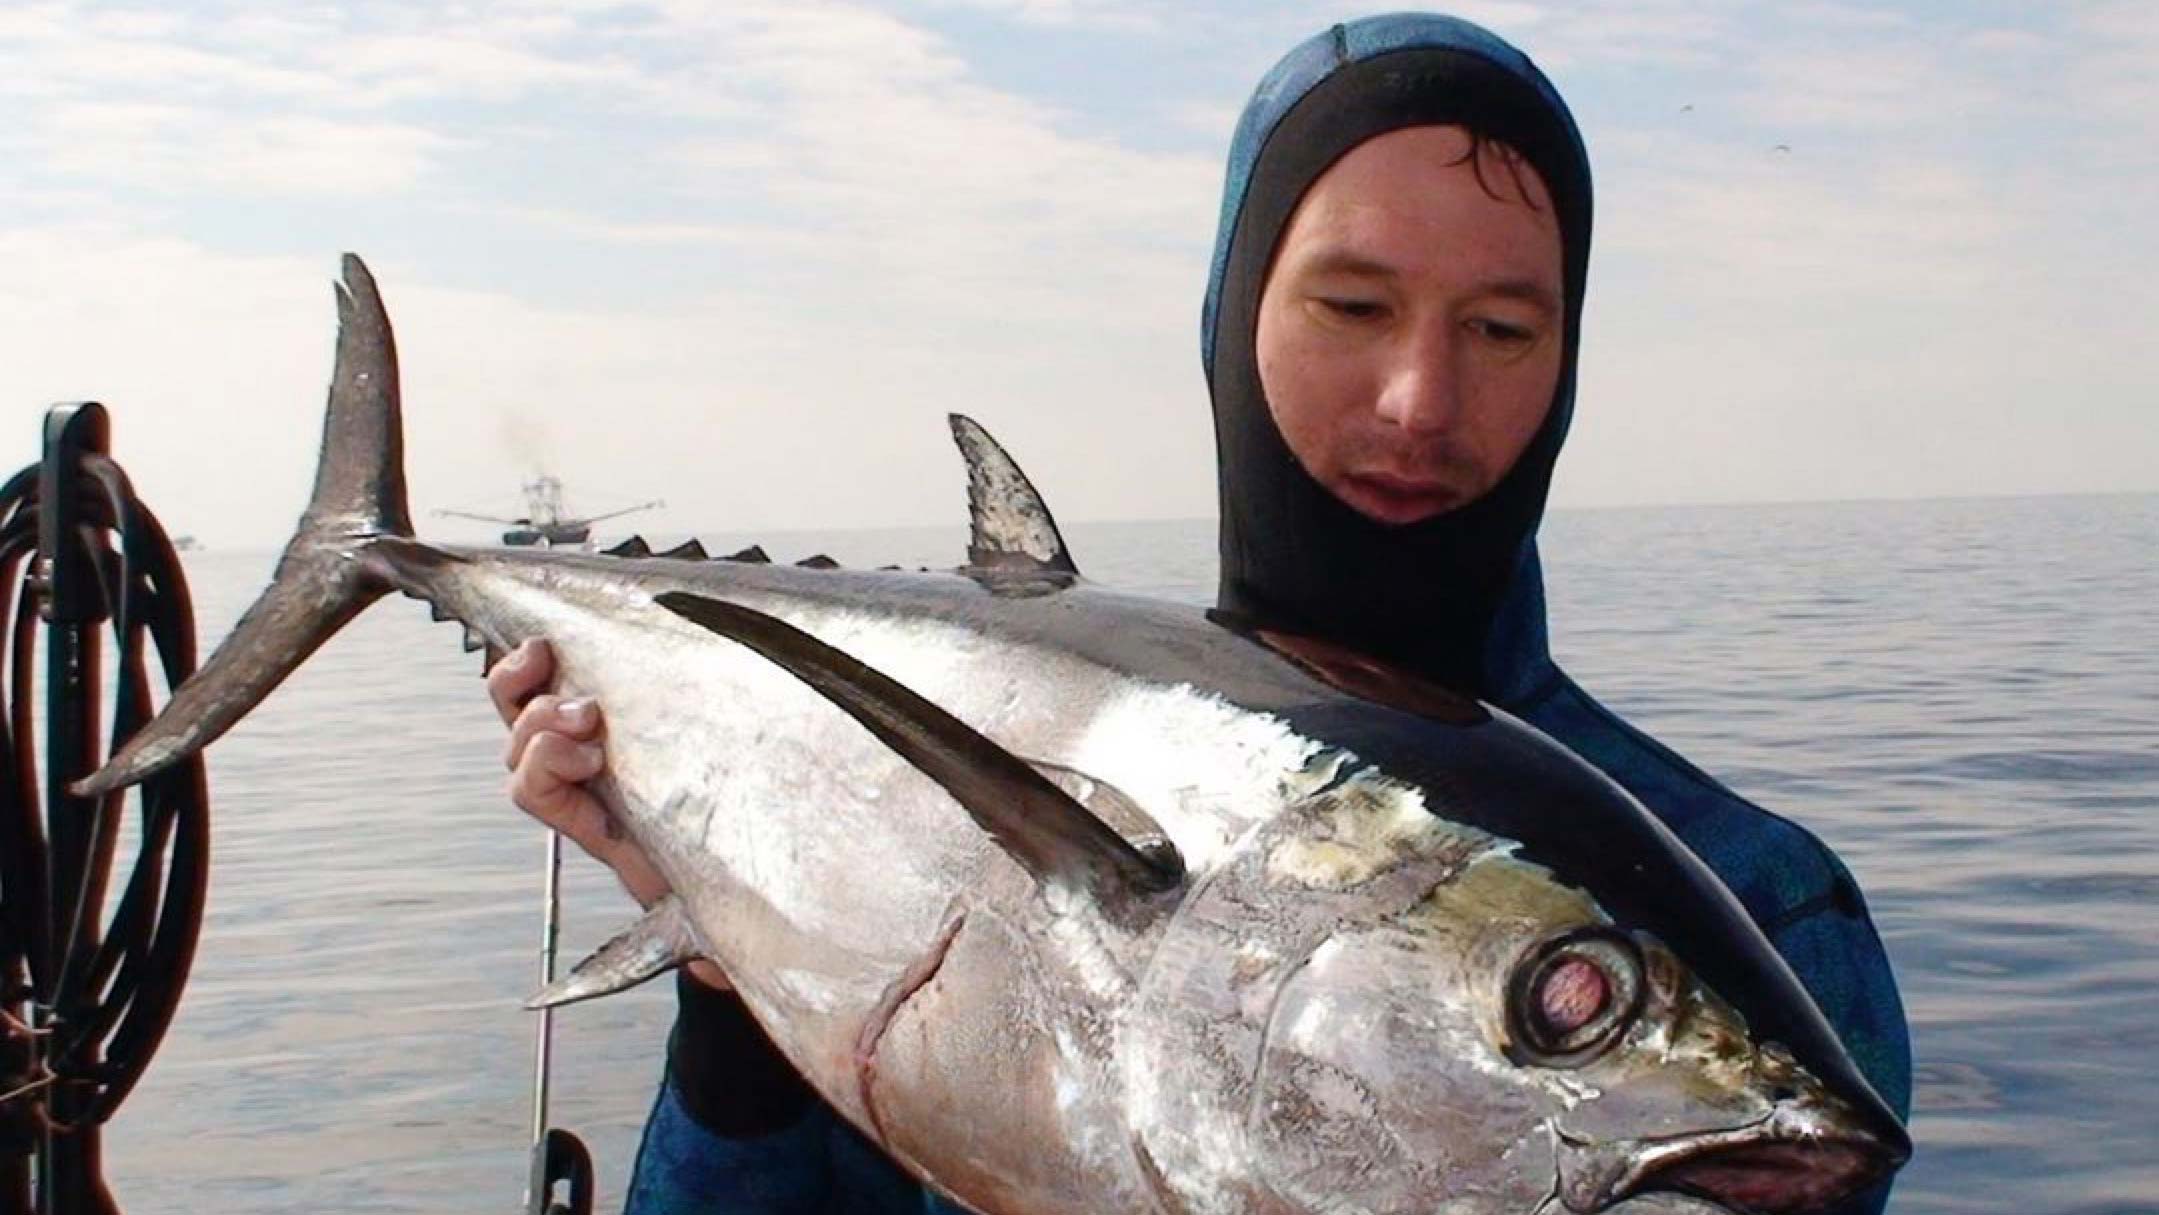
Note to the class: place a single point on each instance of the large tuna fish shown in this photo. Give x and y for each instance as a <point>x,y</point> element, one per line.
<point>1083,903</point>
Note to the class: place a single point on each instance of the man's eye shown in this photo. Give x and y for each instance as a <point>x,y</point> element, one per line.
<point>1503,333</point>
<point>1352,309</point>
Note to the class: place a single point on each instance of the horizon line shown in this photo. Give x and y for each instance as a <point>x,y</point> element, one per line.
<point>1584,508</point>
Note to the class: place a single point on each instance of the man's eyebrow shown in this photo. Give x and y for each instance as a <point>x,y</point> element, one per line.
<point>1527,290</point>
<point>1345,261</point>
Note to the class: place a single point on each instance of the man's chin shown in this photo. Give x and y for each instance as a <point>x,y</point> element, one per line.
<point>1395,503</point>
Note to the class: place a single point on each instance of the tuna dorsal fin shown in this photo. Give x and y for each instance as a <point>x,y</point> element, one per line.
<point>662,939</point>
<point>691,549</point>
<point>635,546</point>
<point>754,554</point>
<point>1041,826</point>
<point>1009,526</point>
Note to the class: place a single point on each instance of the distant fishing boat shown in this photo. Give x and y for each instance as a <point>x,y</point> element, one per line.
<point>547,521</point>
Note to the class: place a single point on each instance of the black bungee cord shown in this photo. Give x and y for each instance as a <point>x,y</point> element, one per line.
<point>85,995</point>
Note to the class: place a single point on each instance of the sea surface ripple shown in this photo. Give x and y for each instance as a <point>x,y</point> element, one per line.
<point>1961,697</point>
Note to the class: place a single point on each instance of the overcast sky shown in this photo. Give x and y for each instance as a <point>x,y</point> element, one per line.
<point>745,254</point>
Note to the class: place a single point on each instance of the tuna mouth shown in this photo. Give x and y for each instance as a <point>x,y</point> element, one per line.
<point>1772,1178</point>
<point>1799,1157</point>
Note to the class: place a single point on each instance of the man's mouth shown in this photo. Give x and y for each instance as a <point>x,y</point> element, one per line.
<point>1392,498</point>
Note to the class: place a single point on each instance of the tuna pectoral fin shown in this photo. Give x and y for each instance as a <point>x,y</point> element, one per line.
<point>1113,806</point>
<point>657,943</point>
<point>323,578</point>
<point>1050,834</point>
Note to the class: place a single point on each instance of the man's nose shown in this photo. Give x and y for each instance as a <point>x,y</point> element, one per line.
<point>1419,391</point>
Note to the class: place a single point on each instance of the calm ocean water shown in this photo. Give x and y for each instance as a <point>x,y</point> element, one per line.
<point>1962,697</point>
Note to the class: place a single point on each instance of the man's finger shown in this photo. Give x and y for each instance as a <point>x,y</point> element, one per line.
<point>583,821</point>
<point>522,672</point>
<point>547,713</point>
<point>546,784</point>
<point>536,718</point>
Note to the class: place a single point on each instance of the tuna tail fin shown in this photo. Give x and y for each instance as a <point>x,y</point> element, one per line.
<point>321,580</point>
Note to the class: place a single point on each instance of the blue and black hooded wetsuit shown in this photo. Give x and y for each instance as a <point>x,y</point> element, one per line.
<point>1459,598</point>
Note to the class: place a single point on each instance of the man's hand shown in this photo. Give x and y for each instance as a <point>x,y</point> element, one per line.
<point>555,747</point>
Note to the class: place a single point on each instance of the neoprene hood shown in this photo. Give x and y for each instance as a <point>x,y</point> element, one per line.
<point>1459,597</point>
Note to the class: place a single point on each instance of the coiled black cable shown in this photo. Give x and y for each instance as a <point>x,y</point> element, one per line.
<point>85,996</point>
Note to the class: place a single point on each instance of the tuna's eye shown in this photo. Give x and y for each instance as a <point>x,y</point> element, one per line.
<point>1572,996</point>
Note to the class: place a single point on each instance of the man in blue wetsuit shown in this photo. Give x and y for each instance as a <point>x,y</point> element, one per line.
<point>1390,336</point>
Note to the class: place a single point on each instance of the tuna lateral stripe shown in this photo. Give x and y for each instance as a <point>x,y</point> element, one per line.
<point>1053,837</point>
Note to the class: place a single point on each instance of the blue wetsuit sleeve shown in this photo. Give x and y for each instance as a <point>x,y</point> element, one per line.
<point>1797,890</point>
<point>727,1075</point>
<point>684,1169</point>
<point>817,1165</point>
<point>734,1131</point>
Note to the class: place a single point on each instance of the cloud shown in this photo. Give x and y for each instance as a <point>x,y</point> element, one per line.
<point>831,114</point>
<point>63,51</point>
<point>765,238</point>
<point>173,340</point>
<point>1932,291</point>
<point>1740,219</point>
<point>2008,42</point>
<point>745,254</point>
<point>2118,79</point>
<point>1889,85</point>
<point>803,227</point>
<point>470,63</point>
<point>236,101</point>
<point>177,149</point>
<point>1215,119</point>
<point>1124,15</point>
<point>1667,33</point>
<point>236,59</point>
<point>949,192</point>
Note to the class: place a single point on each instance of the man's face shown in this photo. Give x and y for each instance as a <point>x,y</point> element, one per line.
<point>1411,328</point>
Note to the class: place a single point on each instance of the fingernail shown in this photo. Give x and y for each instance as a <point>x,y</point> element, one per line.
<point>577,712</point>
